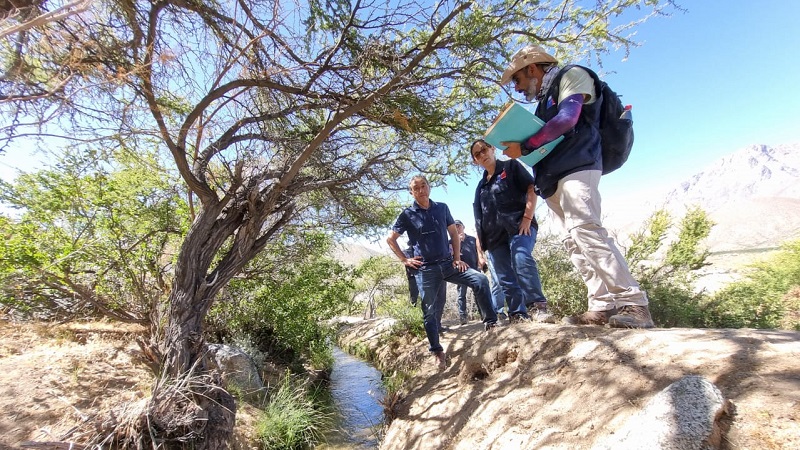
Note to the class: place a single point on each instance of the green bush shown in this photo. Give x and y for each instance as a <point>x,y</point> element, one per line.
<point>764,299</point>
<point>284,308</point>
<point>408,317</point>
<point>664,273</point>
<point>379,280</point>
<point>94,235</point>
<point>768,298</point>
<point>561,282</point>
<point>292,419</point>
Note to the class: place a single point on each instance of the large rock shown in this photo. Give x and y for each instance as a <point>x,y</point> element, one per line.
<point>237,368</point>
<point>684,416</point>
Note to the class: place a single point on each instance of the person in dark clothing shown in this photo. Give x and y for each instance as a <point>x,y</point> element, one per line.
<point>428,225</point>
<point>504,217</point>
<point>568,179</point>
<point>469,254</point>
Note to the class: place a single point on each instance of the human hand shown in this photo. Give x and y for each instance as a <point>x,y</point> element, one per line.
<point>525,226</point>
<point>513,149</point>
<point>414,262</point>
<point>460,265</point>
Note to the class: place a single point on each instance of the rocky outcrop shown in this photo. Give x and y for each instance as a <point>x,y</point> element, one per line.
<point>687,415</point>
<point>237,369</point>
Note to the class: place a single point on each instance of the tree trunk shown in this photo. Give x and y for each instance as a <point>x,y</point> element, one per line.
<point>211,417</point>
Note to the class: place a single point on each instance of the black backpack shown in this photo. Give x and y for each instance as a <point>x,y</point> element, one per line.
<point>616,132</point>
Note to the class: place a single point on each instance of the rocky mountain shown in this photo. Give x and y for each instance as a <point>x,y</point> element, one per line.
<point>752,195</point>
<point>755,172</point>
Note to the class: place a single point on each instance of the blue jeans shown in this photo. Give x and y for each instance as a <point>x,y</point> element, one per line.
<point>413,290</point>
<point>517,272</point>
<point>498,296</point>
<point>462,301</point>
<point>430,279</point>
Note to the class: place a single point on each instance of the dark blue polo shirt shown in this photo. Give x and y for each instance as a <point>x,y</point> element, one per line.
<point>469,251</point>
<point>427,230</point>
<point>500,203</point>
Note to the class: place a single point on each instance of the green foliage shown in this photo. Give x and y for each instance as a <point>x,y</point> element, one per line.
<point>766,298</point>
<point>685,253</point>
<point>285,305</point>
<point>291,419</point>
<point>666,274</point>
<point>561,282</point>
<point>94,236</point>
<point>666,279</point>
<point>380,280</point>
<point>408,318</point>
<point>647,241</point>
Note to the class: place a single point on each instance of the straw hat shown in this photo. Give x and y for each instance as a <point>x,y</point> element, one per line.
<point>532,54</point>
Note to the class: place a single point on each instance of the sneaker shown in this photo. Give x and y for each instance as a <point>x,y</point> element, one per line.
<point>631,316</point>
<point>463,320</point>
<point>540,314</point>
<point>590,318</point>
<point>440,359</point>
<point>489,326</point>
<point>520,318</point>
<point>443,329</point>
<point>502,316</point>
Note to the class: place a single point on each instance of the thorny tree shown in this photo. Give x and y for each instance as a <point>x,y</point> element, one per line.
<point>278,113</point>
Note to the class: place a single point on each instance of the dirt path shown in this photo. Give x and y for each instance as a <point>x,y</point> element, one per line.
<point>526,386</point>
<point>532,386</point>
<point>55,376</point>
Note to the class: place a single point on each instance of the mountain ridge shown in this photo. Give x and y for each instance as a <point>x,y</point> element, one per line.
<point>752,195</point>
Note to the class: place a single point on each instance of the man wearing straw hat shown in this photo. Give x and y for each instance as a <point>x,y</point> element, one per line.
<point>568,180</point>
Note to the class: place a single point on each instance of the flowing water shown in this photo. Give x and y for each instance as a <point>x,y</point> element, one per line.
<point>356,391</point>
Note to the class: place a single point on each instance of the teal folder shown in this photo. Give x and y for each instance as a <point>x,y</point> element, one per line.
<point>515,124</point>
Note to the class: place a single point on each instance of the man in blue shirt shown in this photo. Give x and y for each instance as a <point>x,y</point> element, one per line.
<point>430,228</point>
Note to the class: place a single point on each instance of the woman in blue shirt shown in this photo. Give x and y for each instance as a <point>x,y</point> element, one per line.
<point>504,207</point>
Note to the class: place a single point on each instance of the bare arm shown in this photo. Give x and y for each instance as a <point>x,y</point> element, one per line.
<point>456,243</point>
<point>530,208</point>
<point>481,258</point>
<point>414,262</point>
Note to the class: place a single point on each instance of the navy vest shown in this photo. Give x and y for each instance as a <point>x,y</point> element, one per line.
<point>580,149</point>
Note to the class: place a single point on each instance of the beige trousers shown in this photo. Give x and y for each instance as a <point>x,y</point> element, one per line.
<point>576,206</point>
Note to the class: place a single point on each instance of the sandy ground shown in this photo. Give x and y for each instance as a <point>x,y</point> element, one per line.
<point>54,378</point>
<point>537,386</point>
<point>525,386</point>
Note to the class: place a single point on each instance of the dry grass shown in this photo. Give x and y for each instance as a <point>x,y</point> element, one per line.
<point>88,385</point>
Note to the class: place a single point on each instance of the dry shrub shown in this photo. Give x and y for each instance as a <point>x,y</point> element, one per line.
<point>191,411</point>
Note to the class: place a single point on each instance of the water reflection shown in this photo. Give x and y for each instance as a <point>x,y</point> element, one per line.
<point>356,391</point>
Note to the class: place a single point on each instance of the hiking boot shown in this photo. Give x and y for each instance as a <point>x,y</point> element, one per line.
<point>540,314</point>
<point>590,318</point>
<point>440,359</point>
<point>463,320</point>
<point>520,318</point>
<point>490,326</point>
<point>502,316</point>
<point>443,329</point>
<point>631,316</point>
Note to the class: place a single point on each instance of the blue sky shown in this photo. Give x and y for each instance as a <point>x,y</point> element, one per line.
<point>703,84</point>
